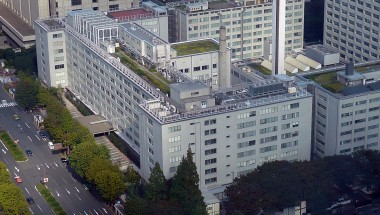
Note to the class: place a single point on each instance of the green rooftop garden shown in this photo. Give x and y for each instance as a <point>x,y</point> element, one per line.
<point>328,81</point>
<point>195,47</point>
<point>260,68</point>
<point>153,78</point>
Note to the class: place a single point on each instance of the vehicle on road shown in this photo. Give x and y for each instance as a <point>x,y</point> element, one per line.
<point>29,152</point>
<point>18,179</point>
<point>43,134</point>
<point>16,117</point>
<point>30,200</point>
<point>64,160</point>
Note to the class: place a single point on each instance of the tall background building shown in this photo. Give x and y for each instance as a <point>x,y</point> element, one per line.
<point>353,27</point>
<point>248,24</point>
<point>18,16</point>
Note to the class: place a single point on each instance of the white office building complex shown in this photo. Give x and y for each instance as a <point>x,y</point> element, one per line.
<point>230,131</point>
<point>353,28</point>
<point>248,23</point>
<point>346,111</point>
<point>17,16</point>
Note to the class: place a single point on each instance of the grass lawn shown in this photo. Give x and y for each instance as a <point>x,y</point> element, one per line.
<point>58,210</point>
<point>195,47</point>
<point>13,148</point>
<point>260,68</point>
<point>126,60</point>
<point>328,81</point>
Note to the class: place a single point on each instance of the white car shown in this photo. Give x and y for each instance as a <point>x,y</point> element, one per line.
<point>51,145</point>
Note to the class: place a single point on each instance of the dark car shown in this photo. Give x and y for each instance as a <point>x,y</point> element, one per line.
<point>64,160</point>
<point>30,200</point>
<point>29,152</point>
<point>43,134</point>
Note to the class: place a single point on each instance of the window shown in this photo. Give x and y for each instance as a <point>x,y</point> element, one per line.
<point>269,110</point>
<point>289,144</point>
<point>60,66</point>
<point>347,105</point>
<point>209,171</point>
<point>268,130</point>
<point>268,149</point>
<point>291,106</point>
<point>210,131</point>
<point>114,7</point>
<point>268,120</point>
<point>210,141</point>
<point>210,161</point>
<point>210,180</point>
<point>197,68</point>
<point>174,139</point>
<point>175,159</point>
<point>210,151</point>
<point>174,128</point>
<point>246,153</point>
<point>246,124</point>
<point>210,122</point>
<point>246,115</point>
<point>290,116</point>
<point>175,149</point>
<point>268,139</point>
<point>246,134</point>
<point>58,35</point>
<point>246,144</point>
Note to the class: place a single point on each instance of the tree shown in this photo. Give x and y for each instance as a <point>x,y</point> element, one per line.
<point>157,188</point>
<point>185,187</point>
<point>109,184</point>
<point>132,178</point>
<point>12,201</point>
<point>84,153</point>
<point>27,92</point>
<point>136,206</point>
<point>97,165</point>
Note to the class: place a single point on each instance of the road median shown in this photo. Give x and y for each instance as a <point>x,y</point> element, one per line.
<point>12,147</point>
<point>49,198</point>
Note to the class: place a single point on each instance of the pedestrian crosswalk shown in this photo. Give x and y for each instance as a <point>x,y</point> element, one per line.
<point>10,104</point>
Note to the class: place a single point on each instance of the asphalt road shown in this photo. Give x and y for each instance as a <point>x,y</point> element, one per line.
<point>69,192</point>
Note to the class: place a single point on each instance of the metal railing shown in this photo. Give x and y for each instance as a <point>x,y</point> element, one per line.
<point>113,62</point>
<point>250,103</point>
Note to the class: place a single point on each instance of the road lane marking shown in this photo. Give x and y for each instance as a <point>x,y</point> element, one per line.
<point>15,174</point>
<point>4,151</point>
<point>67,191</point>
<point>40,208</point>
<point>4,145</point>
<point>56,164</point>
<point>17,169</point>
<point>64,180</point>
<point>37,137</point>
<point>31,211</point>
<point>95,212</point>
<point>27,191</point>
<point>73,179</point>
<point>105,211</point>
<point>5,160</point>
<point>35,187</point>
<point>47,166</point>
<point>38,167</point>
<point>77,189</point>
<point>30,139</point>
<point>78,197</point>
<point>57,193</point>
<point>27,125</point>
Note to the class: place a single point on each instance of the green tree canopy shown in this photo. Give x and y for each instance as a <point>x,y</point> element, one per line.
<point>97,165</point>
<point>27,92</point>
<point>157,188</point>
<point>12,201</point>
<point>109,184</point>
<point>185,187</point>
<point>84,153</point>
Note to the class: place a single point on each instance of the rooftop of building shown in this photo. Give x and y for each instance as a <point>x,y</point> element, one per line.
<point>329,81</point>
<point>133,14</point>
<point>96,124</point>
<point>195,47</point>
<point>188,86</point>
<point>51,24</point>
<point>139,32</point>
<point>6,15</point>
<point>323,49</point>
<point>214,5</point>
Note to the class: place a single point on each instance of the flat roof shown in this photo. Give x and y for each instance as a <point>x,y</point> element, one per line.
<point>195,47</point>
<point>15,21</point>
<point>141,33</point>
<point>188,86</point>
<point>323,49</point>
<point>133,13</point>
<point>96,124</point>
<point>217,5</point>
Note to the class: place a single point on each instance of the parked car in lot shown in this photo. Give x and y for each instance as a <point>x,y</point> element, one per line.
<point>30,200</point>
<point>29,152</point>
<point>43,134</point>
<point>16,117</point>
<point>64,160</point>
<point>18,179</point>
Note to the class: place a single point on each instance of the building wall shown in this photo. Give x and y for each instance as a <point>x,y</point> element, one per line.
<point>233,153</point>
<point>248,37</point>
<point>353,27</point>
<point>29,10</point>
<point>51,57</point>
<point>344,125</point>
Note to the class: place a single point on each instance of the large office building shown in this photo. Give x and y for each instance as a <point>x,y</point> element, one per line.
<point>231,130</point>
<point>346,110</point>
<point>353,28</point>
<point>17,16</point>
<point>248,23</point>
